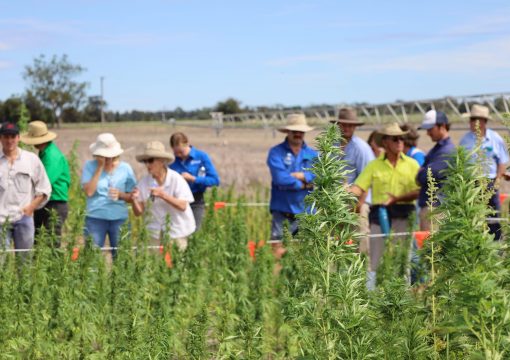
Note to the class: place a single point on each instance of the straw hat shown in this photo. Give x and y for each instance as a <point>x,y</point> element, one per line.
<point>479,111</point>
<point>392,129</point>
<point>106,145</point>
<point>348,115</point>
<point>37,134</point>
<point>296,122</point>
<point>155,149</point>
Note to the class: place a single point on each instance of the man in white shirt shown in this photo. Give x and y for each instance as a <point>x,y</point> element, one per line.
<point>24,187</point>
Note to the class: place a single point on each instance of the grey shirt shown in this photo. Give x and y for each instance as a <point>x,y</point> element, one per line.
<point>20,183</point>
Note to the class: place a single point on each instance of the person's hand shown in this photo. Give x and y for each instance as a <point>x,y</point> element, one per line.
<point>134,195</point>
<point>392,199</point>
<point>157,192</point>
<point>100,161</point>
<point>188,177</point>
<point>28,210</point>
<point>114,193</point>
<point>298,175</point>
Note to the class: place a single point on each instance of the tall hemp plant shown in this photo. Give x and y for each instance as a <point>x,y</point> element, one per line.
<point>467,298</point>
<point>327,288</point>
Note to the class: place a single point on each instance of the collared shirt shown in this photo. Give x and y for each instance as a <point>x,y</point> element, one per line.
<point>357,155</point>
<point>494,147</point>
<point>20,183</point>
<point>192,164</point>
<point>100,205</point>
<point>383,178</point>
<point>57,170</point>
<point>437,161</point>
<point>287,194</point>
<point>417,155</point>
<point>182,223</point>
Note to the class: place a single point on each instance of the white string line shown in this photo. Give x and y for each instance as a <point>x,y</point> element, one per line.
<point>372,236</point>
<point>104,248</point>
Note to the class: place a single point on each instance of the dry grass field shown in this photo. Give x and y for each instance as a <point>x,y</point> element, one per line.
<point>239,154</point>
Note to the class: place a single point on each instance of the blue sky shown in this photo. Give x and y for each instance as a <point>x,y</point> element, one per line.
<point>160,54</point>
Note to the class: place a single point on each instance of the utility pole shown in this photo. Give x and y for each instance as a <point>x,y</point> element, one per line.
<point>102,100</point>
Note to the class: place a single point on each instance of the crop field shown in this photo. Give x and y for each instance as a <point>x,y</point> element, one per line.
<point>228,297</point>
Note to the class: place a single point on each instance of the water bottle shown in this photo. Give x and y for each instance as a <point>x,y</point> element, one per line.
<point>384,220</point>
<point>111,186</point>
<point>201,171</point>
<point>153,185</point>
<point>288,159</point>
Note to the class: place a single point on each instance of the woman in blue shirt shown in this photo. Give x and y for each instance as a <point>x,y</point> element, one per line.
<point>107,182</point>
<point>196,168</point>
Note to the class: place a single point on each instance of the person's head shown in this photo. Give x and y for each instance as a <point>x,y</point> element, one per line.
<point>437,125</point>
<point>38,135</point>
<point>347,122</point>
<point>9,137</point>
<point>479,115</point>
<point>295,128</point>
<point>180,145</point>
<point>376,149</point>
<point>155,158</point>
<point>391,137</point>
<point>107,147</point>
<point>411,138</point>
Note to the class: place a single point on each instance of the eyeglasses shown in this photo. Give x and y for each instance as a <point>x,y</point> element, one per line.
<point>148,161</point>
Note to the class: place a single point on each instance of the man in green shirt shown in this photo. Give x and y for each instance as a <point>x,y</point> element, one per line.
<point>57,169</point>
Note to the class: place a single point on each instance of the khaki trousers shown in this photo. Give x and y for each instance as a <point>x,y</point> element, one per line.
<point>364,229</point>
<point>377,244</point>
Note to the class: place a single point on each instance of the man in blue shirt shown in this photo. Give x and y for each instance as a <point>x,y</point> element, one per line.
<point>196,168</point>
<point>290,180</point>
<point>437,126</point>
<point>357,154</point>
<point>496,156</point>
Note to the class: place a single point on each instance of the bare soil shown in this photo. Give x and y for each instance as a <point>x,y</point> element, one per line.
<point>238,154</point>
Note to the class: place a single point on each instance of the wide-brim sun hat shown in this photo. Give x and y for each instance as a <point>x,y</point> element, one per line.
<point>392,129</point>
<point>296,122</point>
<point>347,115</point>
<point>106,145</point>
<point>155,150</point>
<point>37,134</point>
<point>479,111</point>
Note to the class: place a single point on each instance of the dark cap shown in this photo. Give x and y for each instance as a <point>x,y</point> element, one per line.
<point>9,128</point>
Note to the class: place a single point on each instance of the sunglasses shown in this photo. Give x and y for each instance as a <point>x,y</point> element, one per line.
<point>395,138</point>
<point>148,161</point>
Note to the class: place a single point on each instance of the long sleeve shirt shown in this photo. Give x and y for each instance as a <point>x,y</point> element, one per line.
<point>287,193</point>
<point>20,182</point>
<point>57,169</point>
<point>437,161</point>
<point>192,165</point>
<point>494,147</point>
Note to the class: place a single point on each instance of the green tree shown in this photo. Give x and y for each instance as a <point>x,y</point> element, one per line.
<point>9,109</point>
<point>229,106</point>
<point>52,82</point>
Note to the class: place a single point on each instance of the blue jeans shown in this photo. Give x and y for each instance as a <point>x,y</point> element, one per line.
<point>98,228</point>
<point>22,231</point>
<point>277,224</point>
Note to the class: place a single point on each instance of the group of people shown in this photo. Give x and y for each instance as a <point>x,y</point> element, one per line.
<point>34,189</point>
<point>387,174</point>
